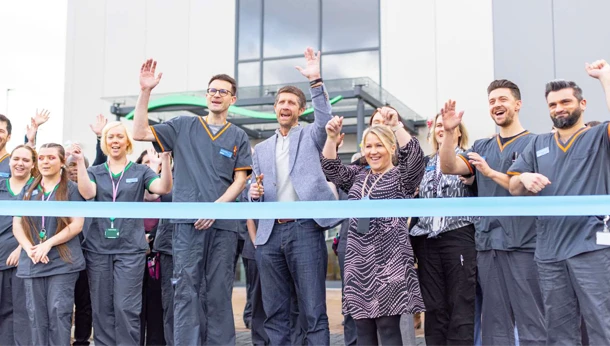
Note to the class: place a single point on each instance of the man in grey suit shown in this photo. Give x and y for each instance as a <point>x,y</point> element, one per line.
<point>294,251</point>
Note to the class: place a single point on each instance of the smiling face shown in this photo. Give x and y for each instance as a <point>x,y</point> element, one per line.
<point>216,102</point>
<point>503,106</point>
<point>564,108</point>
<point>49,161</point>
<point>21,163</point>
<point>287,109</point>
<point>376,154</point>
<point>117,142</point>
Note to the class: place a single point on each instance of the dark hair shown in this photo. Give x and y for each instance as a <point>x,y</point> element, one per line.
<point>505,84</point>
<point>561,84</point>
<point>9,126</point>
<point>593,123</point>
<point>61,194</point>
<point>295,91</point>
<point>141,157</point>
<point>226,78</point>
<point>34,172</point>
<point>377,111</point>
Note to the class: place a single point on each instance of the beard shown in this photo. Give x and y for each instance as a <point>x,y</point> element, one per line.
<point>569,121</point>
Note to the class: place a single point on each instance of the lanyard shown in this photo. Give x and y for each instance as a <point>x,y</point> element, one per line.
<point>42,235</point>
<point>115,189</point>
<point>372,186</point>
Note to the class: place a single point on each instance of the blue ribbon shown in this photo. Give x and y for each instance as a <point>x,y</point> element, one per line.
<point>479,206</point>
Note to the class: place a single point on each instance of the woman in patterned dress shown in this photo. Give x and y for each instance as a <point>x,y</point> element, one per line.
<point>380,281</point>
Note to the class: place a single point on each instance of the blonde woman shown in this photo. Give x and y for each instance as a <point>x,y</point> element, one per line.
<point>380,279</point>
<point>115,248</point>
<point>445,251</point>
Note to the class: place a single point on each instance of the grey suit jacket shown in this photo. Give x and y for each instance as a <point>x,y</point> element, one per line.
<point>306,174</point>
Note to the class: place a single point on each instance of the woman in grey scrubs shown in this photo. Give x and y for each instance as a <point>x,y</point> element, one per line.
<point>115,248</point>
<point>13,315</point>
<point>51,257</point>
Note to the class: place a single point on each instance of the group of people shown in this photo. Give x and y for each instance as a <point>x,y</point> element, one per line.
<point>489,280</point>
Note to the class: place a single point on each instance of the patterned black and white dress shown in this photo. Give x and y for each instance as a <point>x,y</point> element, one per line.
<point>380,278</point>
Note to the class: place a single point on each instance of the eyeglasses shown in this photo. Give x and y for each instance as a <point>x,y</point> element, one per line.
<point>222,92</point>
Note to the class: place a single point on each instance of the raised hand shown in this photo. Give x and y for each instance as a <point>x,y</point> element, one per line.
<point>154,158</point>
<point>312,67</point>
<point>333,128</point>
<point>100,123</point>
<point>598,69</point>
<point>451,118</point>
<point>148,81</point>
<point>31,130</point>
<point>77,153</point>
<point>41,117</point>
<point>390,116</point>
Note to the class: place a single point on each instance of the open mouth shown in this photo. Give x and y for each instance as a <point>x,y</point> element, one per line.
<point>217,103</point>
<point>500,112</point>
<point>285,115</point>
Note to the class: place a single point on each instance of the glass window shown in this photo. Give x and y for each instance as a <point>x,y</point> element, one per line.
<point>351,65</point>
<point>290,26</point>
<point>282,71</point>
<point>250,16</point>
<point>248,74</point>
<point>350,24</point>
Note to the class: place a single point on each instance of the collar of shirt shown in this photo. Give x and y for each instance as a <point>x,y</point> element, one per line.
<point>278,133</point>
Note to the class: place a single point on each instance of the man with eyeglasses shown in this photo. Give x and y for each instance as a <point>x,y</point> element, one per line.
<point>211,162</point>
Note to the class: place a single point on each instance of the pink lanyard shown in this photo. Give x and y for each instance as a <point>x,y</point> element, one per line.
<point>115,190</point>
<point>43,232</point>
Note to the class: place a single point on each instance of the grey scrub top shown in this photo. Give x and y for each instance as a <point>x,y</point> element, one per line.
<point>506,233</point>
<point>5,170</point>
<point>204,163</point>
<point>581,166</point>
<point>56,265</point>
<point>8,243</point>
<point>136,179</point>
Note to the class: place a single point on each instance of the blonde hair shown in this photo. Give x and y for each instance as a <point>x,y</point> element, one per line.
<point>108,127</point>
<point>385,135</point>
<point>462,140</point>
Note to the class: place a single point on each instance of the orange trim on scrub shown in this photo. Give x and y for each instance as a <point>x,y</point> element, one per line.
<point>243,169</point>
<point>609,130</point>
<point>205,126</point>
<point>470,168</point>
<point>574,136</point>
<point>157,138</point>
<point>509,142</point>
<point>4,157</point>
<point>513,173</point>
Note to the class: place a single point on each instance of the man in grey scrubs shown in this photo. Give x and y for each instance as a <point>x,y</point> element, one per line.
<point>573,268</point>
<point>5,136</point>
<point>211,160</point>
<point>293,252</point>
<point>505,245</point>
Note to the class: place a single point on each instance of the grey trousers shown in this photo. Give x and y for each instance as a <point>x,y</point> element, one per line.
<point>115,282</point>
<point>49,302</point>
<point>204,275</point>
<point>511,294</point>
<point>167,297</point>
<point>577,286</point>
<point>13,313</point>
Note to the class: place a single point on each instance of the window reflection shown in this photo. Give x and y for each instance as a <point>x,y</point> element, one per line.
<point>248,74</point>
<point>290,26</point>
<point>282,71</point>
<point>350,24</point>
<point>351,65</point>
<point>250,16</point>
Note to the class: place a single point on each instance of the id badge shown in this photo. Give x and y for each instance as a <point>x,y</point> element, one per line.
<point>112,233</point>
<point>363,225</point>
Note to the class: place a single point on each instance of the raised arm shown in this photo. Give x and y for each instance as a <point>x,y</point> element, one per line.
<point>86,187</point>
<point>601,70</point>
<point>412,165</point>
<point>148,81</point>
<point>319,98</point>
<point>40,118</point>
<point>342,176</point>
<point>163,186</point>
<point>97,128</point>
<point>450,163</point>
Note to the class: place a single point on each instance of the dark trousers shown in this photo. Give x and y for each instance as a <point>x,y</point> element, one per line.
<point>167,297</point>
<point>447,269</point>
<point>388,328</point>
<point>151,318</point>
<point>350,336</point>
<point>576,289</point>
<point>204,275</point>
<point>14,320</point>
<point>83,318</point>
<point>257,318</point>
<point>295,253</point>
<point>511,296</point>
